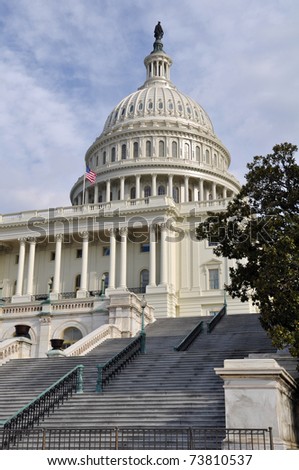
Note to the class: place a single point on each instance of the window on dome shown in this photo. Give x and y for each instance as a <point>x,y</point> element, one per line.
<point>176,194</point>
<point>147,191</point>
<point>140,106</point>
<point>174,149</point>
<point>150,105</point>
<point>131,108</point>
<point>133,193</point>
<point>123,111</point>
<point>104,158</point>
<point>113,154</point>
<point>188,109</point>
<point>170,105</point>
<point>123,152</point>
<point>197,153</point>
<point>135,150</point>
<point>148,146</point>
<point>187,151</point>
<point>161,148</point>
<point>215,159</point>
<point>208,157</point>
<point>160,105</point>
<point>161,190</point>
<point>180,107</point>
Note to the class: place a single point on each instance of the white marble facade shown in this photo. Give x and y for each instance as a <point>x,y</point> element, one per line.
<point>159,168</point>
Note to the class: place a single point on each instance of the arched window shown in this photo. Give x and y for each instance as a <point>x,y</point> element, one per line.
<point>176,194</point>
<point>77,282</point>
<point>148,146</point>
<point>161,190</point>
<point>113,154</point>
<point>161,148</point>
<point>174,149</point>
<point>208,157</point>
<point>123,152</point>
<point>104,157</point>
<point>133,192</point>
<point>135,150</point>
<point>187,151</point>
<point>147,191</point>
<point>71,335</point>
<point>144,279</point>
<point>197,153</point>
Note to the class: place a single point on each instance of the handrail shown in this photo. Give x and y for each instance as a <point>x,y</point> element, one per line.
<point>114,365</point>
<point>29,415</point>
<point>216,319</point>
<point>190,337</point>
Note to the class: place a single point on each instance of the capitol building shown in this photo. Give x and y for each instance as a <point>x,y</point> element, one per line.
<point>127,241</point>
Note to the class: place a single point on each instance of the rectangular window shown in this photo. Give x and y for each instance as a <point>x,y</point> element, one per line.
<point>79,253</point>
<point>214,278</point>
<point>52,256</point>
<point>106,251</point>
<point>144,248</point>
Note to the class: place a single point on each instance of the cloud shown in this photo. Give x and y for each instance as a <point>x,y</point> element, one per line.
<point>65,65</point>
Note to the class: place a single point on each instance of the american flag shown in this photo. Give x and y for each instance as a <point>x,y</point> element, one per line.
<point>90,175</point>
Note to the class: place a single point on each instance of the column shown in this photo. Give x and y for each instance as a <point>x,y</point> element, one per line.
<point>186,188</point>
<point>170,185</point>
<point>122,188</point>
<point>86,199</point>
<point>214,193</point>
<point>123,258</point>
<point>83,285</point>
<point>163,256</point>
<point>154,185</point>
<point>152,260</point>
<point>201,195</point>
<point>137,186</point>
<point>32,245</point>
<point>20,278</point>
<point>96,194</point>
<point>108,190</point>
<point>112,259</point>
<point>57,268</point>
<point>224,192</point>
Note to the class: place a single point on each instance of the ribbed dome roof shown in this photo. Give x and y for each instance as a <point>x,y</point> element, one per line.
<point>158,100</point>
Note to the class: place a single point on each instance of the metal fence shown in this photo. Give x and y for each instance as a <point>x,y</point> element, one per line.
<point>140,438</point>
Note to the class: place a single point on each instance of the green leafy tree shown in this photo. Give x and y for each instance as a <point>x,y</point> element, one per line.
<point>260,230</point>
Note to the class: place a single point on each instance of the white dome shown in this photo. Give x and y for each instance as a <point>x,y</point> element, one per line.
<point>159,101</point>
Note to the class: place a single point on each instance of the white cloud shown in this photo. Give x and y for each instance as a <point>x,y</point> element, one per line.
<point>65,65</point>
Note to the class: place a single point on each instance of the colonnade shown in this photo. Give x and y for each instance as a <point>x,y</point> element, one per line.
<point>116,235</point>
<point>201,189</point>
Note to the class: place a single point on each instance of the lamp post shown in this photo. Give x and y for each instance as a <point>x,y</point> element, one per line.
<point>142,332</point>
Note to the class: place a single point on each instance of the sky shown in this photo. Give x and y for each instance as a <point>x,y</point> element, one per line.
<point>64,65</point>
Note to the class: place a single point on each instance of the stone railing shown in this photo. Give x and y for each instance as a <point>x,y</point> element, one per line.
<point>93,339</point>
<point>14,348</point>
<point>35,216</point>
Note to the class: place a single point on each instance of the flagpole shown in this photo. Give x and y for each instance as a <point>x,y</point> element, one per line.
<point>84,183</point>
